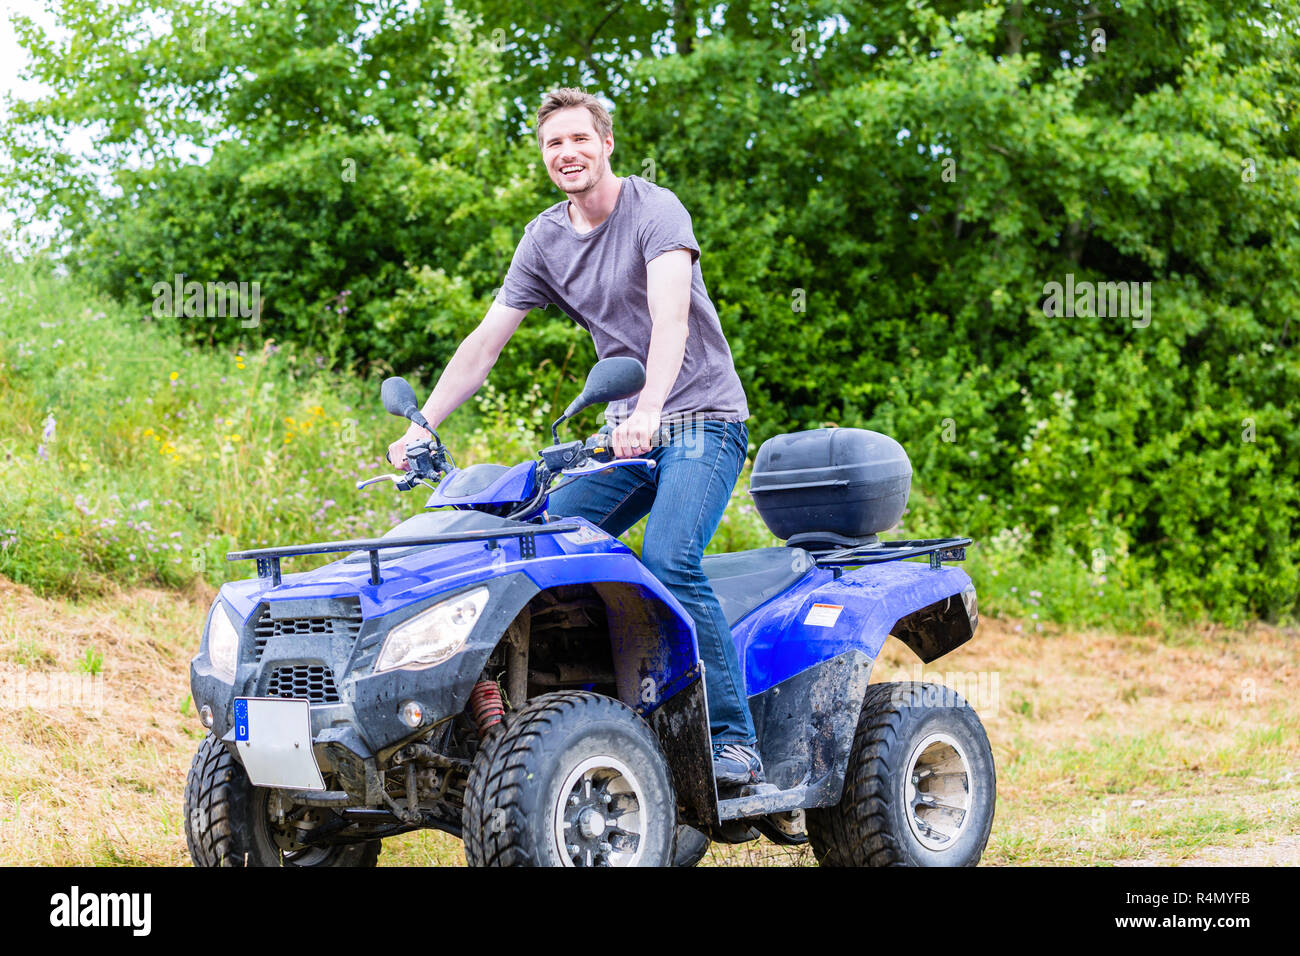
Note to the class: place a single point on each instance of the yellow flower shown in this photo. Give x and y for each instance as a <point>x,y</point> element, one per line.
<point>175,376</point>
<point>288,420</point>
<point>316,410</point>
<point>148,431</point>
<point>287,440</point>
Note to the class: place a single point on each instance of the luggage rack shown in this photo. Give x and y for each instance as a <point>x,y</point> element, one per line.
<point>268,559</point>
<point>878,552</point>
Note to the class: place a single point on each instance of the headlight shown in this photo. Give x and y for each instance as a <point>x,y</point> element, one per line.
<point>223,642</point>
<point>434,635</point>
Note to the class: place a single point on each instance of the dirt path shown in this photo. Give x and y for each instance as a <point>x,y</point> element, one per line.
<point>1110,749</point>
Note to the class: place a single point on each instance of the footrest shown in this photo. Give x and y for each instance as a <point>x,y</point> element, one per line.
<point>756,802</point>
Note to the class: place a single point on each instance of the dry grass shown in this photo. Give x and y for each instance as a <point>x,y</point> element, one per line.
<point>1109,748</point>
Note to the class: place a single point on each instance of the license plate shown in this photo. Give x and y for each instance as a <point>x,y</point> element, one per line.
<point>274,740</point>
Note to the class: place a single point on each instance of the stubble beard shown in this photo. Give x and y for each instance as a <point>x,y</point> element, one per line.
<point>594,177</point>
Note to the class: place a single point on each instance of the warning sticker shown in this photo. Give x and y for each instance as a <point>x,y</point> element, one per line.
<point>585,535</point>
<point>823,615</point>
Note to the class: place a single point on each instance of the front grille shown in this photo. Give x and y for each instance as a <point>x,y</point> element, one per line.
<point>315,682</point>
<point>268,627</point>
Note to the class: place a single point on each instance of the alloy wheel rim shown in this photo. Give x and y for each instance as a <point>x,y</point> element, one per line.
<point>938,791</point>
<point>600,815</point>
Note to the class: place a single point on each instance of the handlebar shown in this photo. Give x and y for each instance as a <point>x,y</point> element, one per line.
<point>571,459</point>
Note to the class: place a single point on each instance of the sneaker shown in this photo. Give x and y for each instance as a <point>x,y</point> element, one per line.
<point>736,765</point>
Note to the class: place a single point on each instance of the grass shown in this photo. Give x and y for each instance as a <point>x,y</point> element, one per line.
<point>1202,764</point>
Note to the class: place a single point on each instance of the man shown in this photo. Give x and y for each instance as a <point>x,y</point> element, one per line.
<point>619,257</point>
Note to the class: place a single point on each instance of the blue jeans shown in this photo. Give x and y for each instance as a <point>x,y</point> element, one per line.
<point>685,496</point>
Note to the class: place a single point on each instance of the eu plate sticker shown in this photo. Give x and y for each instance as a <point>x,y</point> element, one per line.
<point>241,718</point>
<point>823,615</point>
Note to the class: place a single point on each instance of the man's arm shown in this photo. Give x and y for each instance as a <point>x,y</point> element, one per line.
<point>464,374</point>
<point>668,288</point>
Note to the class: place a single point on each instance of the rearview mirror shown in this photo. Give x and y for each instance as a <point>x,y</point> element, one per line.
<point>609,380</point>
<point>399,400</point>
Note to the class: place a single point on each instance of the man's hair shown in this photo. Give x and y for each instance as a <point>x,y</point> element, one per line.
<point>567,97</point>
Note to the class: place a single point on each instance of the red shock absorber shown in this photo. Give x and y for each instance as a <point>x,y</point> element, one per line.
<point>485,706</point>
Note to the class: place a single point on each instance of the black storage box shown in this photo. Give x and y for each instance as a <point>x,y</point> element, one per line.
<point>836,486</point>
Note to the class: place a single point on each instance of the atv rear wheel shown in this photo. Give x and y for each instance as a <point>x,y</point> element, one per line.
<point>573,779</point>
<point>228,821</point>
<point>920,788</point>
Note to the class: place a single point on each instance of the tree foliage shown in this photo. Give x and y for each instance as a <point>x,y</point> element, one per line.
<point>883,195</point>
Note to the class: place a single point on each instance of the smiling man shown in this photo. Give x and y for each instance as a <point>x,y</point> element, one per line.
<point>620,258</point>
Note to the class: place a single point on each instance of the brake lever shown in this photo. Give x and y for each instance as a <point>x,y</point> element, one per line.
<point>403,482</point>
<point>602,466</point>
<point>394,479</point>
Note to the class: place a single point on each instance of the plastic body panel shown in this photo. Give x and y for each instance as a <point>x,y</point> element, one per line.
<point>512,485</point>
<point>776,641</point>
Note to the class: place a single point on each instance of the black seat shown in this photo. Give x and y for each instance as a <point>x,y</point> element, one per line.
<point>745,579</point>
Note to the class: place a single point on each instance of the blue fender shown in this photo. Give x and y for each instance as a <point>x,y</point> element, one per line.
<point>823,617</point>
<point>652,637</point>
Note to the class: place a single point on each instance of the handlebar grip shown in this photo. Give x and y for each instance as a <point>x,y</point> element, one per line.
<point>599,447</point>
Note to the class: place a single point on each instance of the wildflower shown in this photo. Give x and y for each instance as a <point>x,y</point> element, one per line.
<point>47,433</point>
<point>175,375</point>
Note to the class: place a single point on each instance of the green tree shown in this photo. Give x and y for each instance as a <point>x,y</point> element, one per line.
<point>883,196</point>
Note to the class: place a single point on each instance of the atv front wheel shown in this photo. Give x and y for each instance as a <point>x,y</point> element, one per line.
<point>228,821</point>
<point>920,787</point>
<point>573,779</point>
<point>692,846</point>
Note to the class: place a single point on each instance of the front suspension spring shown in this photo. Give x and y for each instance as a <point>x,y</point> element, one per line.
<point>485,706</point>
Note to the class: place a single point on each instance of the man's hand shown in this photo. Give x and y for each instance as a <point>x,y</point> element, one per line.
<point>397,450</point>
<point>632,438</point>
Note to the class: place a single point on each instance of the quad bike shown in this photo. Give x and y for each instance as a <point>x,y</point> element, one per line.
<point>518,679</point>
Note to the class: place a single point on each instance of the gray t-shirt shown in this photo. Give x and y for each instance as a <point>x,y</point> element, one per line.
<point>598,279</point>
